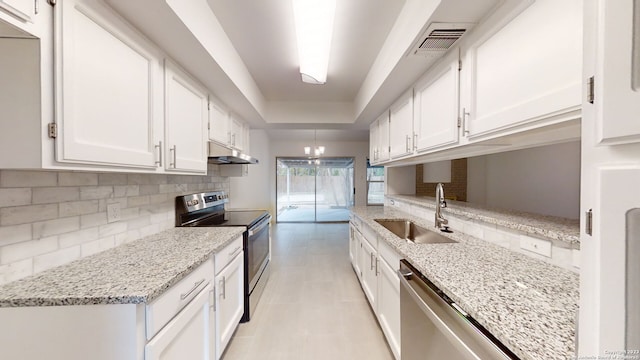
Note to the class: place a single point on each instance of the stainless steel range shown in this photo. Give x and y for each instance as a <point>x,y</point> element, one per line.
<point>207,209</point>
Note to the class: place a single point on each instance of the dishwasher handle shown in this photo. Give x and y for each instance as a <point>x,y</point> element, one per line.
<point>464,333</point>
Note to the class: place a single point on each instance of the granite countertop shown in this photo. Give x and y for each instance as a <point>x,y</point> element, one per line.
<point>132,273</point>
<point>552,227</point>
<point>529,305</point>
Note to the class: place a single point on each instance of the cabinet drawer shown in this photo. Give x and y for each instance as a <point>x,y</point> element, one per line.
<point>227,254</point>
<point>370,235</point>
<point>164,308</point>
<point>389,255</point>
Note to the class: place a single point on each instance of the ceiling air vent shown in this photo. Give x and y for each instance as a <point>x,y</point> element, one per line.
<point>439,38</point>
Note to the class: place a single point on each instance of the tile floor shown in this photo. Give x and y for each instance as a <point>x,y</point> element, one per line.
<point>313,307</point>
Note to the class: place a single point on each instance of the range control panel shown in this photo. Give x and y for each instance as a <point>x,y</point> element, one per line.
<point>194,202</point>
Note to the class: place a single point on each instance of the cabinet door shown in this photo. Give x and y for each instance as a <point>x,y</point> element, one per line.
<point>109,82</point>
<point>23,9</point>
<point>389,305</point>
<point>236,132</point>
<point>383,137</point>
<point>187,335</point>
<point>401,126</point>
<point>354,246</point>
<point>186,120</point>
<point>369,273</point>
<point>528,73</point>
<point>617,78</point>
<point>230,302</point>
<point>374,142</point>
<point>436,103</point>
<point>218,124</point>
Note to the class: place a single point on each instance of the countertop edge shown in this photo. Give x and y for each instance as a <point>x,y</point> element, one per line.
<point>231,234</point>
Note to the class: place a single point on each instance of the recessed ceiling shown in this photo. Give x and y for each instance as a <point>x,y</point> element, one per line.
<point>264,36</point>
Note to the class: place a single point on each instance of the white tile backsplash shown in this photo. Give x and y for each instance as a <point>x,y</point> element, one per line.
<point>19,178</point>
<point>558,252</point>
<point>15,197</point>
<point>49,218</point>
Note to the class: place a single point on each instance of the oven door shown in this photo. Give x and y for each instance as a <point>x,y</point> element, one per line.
<point>257,248</point>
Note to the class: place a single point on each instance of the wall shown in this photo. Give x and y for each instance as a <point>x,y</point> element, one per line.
<point>455,189</point>
<point>356,149</point>
<point>543,180</point>
<point>253,191</point>
<point>51,218</point>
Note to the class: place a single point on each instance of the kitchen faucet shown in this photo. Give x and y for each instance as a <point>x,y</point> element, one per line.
<point>440,222</point>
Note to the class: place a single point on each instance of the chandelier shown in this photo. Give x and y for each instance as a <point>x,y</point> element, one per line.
<point>318,150</point>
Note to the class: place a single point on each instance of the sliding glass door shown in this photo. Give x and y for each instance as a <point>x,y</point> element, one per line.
<point>314,190</point>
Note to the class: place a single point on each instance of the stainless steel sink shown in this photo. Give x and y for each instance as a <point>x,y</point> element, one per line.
<point>409,231</point>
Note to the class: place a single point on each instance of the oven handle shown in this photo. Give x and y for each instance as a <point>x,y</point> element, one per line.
<point>260,226</point>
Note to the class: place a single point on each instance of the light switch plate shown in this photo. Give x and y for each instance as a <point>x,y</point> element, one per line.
<point>113,212</point>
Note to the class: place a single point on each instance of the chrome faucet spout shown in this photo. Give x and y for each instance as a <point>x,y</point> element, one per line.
<point>440,221</point>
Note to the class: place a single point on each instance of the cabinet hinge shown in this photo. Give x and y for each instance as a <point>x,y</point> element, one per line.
<point>588,223</point>
<point>459,65</point>
<point>52,2</point>
<point>590,90</point>
<point>459,122</point>
<point>53,130</point>
<point>36,7</point>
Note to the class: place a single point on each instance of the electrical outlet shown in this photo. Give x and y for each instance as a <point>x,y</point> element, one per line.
<point>113,212</point>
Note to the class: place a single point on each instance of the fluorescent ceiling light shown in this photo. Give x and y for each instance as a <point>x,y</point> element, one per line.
<point>314,29</point>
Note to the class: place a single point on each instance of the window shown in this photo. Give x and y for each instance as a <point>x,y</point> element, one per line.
<point>375,185</point>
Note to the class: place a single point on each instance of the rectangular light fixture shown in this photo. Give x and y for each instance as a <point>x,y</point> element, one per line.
<point>314,29</point>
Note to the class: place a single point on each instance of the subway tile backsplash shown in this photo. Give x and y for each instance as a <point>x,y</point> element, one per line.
<point>50,218</point>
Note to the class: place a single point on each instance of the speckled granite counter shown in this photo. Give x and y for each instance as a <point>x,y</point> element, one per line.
<point>529,305</point>
<point>136,272</point>
<point>555,228</point>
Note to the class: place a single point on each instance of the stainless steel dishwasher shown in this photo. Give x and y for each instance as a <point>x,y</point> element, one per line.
<point>433,327</point>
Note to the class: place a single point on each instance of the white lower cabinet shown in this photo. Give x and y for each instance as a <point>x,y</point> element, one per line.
<point>179,324</point>
<point>188,335</point>
<point>370,273</point>
<point>23,9</point>
<point>377,266</point>
<point>389,296</point>
<point>229,292</point>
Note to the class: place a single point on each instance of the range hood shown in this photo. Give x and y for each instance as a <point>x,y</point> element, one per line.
<point>221,155</point>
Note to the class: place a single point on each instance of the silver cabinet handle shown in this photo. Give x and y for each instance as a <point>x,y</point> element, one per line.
<point>212,299</point>
<point>224,287</point>
<point>174,157</point>
<point>465,113</point>
<point>235,251</point>
<point>188,293</point>
<point>159,147</point>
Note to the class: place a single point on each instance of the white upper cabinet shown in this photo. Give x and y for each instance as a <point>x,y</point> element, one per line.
<point>237,133</point>
<point>23,9</point>
<point>109,83</point>
<point>436,103</point>
<point>401,126</point>
<point>186,121</point>
<point>527,72</point>
<point>617,77</point>
<point>379,139</point>
<point>218,123</point>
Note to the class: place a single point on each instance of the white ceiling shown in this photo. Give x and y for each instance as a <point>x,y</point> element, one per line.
<point>264,36</point>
